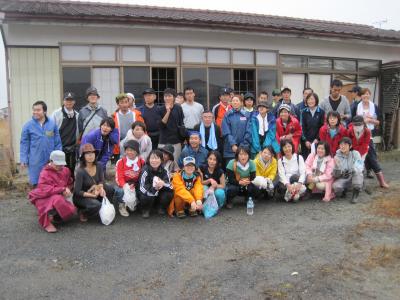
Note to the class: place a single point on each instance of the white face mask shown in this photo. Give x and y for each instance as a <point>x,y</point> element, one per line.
<point>359,128</point>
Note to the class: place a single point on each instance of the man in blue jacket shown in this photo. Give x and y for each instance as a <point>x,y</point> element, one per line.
<point>236,128</point>
<point>39,137</point>
<point>194,149</point>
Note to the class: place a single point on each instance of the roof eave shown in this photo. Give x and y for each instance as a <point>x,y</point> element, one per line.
<point>9,17</point>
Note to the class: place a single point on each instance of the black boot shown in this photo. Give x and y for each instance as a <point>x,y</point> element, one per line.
<point>354,198</point>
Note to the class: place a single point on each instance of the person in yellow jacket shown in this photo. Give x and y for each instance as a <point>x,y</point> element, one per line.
<point>266,170</point>
<point>188,190</point>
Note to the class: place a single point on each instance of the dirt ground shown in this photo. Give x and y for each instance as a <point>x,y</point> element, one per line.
<point>308,250</point>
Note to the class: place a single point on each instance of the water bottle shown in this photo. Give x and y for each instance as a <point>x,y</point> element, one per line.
<point>250,206</point>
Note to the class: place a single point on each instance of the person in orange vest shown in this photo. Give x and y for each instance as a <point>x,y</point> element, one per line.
<point>123,118</point>
<point>219,110</point>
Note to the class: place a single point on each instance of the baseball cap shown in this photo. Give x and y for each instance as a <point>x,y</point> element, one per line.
<point>276,92</point>
<point>249,95</point>
<point>285,106</point>
<point>58,158</point>
<point>149,91</point>
<point>189,160</point>
<point>286,89</point>
<point>69,96</point>
<point>225,91</point>
<point>92,91</point>
<point>266,104</point>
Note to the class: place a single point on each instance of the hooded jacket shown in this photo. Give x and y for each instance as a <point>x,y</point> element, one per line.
<point>267,172</point>
<point>351,162</point>
<point>104,146</point>
<point>146,180</point>
<point>236,130</point>
<point>361,144</point>
<point>293,127</point>
<point>270,135</point>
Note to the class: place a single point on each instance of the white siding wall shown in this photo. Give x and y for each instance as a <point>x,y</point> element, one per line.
<point>52,35</point>
<point>34,75</point>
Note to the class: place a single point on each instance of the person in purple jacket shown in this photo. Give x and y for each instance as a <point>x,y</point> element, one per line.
<point>103,139</point>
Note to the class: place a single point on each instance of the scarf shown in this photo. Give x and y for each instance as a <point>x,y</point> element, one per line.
<point>262,124</point>
<point>133,162</point>
<point>322,164</point>
<point>245,167</point>
<point>371,112</point>
<point>212,140</point>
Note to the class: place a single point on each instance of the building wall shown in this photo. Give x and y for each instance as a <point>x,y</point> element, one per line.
<point>52,35</point>
<point>34,75</point>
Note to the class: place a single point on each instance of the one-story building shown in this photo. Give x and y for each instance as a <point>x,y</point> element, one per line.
<point>58,46</point>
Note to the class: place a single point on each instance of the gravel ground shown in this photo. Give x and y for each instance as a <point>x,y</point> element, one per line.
<point>232,256</point>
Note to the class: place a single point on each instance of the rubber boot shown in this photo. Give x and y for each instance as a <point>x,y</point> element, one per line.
<point>354,198</point>
<point>381,180</point>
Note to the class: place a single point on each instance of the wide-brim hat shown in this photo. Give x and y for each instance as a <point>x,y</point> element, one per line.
<point>168,149</point>
<point>85,148</point>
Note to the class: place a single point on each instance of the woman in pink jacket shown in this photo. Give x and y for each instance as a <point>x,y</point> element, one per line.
<point>50,195</point>
<point>319,167</point>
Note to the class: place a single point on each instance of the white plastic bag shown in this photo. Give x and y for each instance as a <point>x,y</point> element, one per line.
<point>107,212</point>
<point>129,197</point>
<point>210,205</point>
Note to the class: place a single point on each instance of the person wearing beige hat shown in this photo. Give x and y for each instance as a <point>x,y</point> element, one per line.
<point>53,189</point>
<point>90,186</point>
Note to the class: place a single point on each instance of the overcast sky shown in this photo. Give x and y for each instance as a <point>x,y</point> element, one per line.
<point>378,13</point>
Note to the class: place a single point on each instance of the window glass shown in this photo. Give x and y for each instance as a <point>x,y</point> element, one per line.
<point>106,80</point>
<point>266,81</point>
<point>288,61</point>
<point>163,54</point>
<point>349,80</point>
<point>77,80</point>
<point>320,83</point>
<point>196,78</point>
<point>217,79</point>
<point>296,83</point>
<point>266,58</point>
<point>75,53</point>
<point>134,53</point>
<point>320,63</point>
<point>345,65</point>
<point>193,55</point>
<point>218,56</point>
<point>103,53</point>
<point>244,81</point>
<point>365,65</point>
<point>136,80</point>
<point>243,57</point>
<point>163,78</point>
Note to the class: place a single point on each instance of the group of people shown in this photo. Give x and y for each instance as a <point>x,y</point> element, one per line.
<point>172,157</point>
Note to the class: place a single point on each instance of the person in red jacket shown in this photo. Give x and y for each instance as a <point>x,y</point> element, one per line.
<point>127,171</point>
<point>332,132</point>
<point>288,127</point>
<point>361,136</point>
<point>50,195</point>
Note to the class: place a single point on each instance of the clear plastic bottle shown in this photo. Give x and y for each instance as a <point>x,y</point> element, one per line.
<point>250,206</point>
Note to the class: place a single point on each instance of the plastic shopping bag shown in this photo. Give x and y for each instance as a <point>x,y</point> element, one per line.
<point>210,206</point>
<point>129,197</point>
<point>107,212</point>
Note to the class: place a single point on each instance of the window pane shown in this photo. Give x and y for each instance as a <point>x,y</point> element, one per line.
<point>72,52</point>
<point>267,81</point>
<point>244,81</point>
<point>136,79</point>
<point>296,83</point>
<point>217,79</point>
<point>348,82</point>
<point>103,53</point>
<point>163,54</point>
<point>320,84</point>
<point>134,53</point>
<point>364,65</point>
<point>293,61</point>
<point>348,65</point>
<point>266,58</point>
<point>160,81</point>
<point>77,80</point>
<point>106,80</point>
<point>371,83</point>
<point>320,63</point>
<point>192,55</point>
<point>197,79</point>
<point>243,57</point>
<point>218,56</point>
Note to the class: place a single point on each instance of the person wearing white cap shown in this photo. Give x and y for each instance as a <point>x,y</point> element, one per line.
<point>287,126</point>
<point>50,195</point>
<point>132,100</point>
